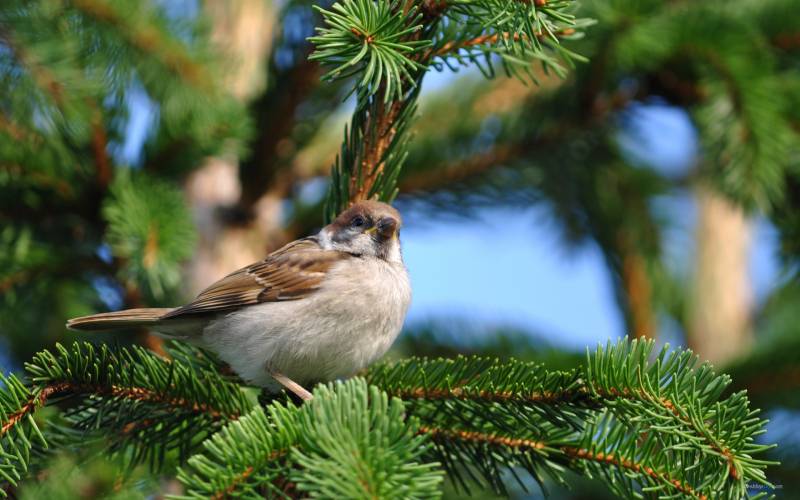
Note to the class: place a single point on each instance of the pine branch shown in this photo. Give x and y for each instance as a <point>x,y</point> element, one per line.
<point>350,441</point>
<point>371,155</point>
<point>371,38</point>
<point>144,404</point>
<point>631,422</point>
<point>227,467</point>
<point>368,165</point>
<point>650,416</point>
<point>460,438</point>
<point>40,74</point>
<point>146,229</point>
<point>453,46</point>
<point>62,60</point>
<point>148,39</point>
<point>390,45</point>
<point>55,89</point>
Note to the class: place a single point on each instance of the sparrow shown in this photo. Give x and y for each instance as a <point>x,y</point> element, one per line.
<point>320,308</point>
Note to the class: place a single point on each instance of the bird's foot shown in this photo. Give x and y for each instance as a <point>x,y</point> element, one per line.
<point>293,386</point>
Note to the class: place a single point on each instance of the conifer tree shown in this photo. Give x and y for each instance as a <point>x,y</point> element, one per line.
<point>76,220</point>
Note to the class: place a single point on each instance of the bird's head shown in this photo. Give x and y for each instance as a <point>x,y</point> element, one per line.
<point>368,228</point>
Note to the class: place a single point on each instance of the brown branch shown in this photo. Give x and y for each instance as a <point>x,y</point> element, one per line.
<point>787,41</point>
<point>133,393</point>
<point>276,115</point>
<point>466,169</point>
<point>379,131</point>
<point>459,392</point>
<point>546,397</point>
<point>574,453</point>
<point>435,8</point>
<point>639,293</point>
<point>678,414</point>
<point>479,437</point>
<point>102,163</point>
<point>784,379</point>
<point>490,39</point>
<point>36,401</point>
<point>147,395</point>
<point>625,463</point>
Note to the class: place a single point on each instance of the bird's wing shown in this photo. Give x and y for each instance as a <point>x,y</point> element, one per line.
<point>290,273</point>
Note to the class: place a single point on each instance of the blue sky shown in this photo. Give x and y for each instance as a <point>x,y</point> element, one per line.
<point>510,269</point>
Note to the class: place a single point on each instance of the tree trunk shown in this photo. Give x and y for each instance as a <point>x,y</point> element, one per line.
<point>719,327</point>
<point>639,296</point>
<point>243,31</point>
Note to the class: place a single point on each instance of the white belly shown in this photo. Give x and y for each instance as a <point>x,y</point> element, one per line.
<point>338,330</point>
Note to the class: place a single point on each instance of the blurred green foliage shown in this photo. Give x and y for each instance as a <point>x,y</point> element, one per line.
<point>83,230</point>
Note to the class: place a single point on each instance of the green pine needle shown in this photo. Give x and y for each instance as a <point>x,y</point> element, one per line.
<point>350,441</point>
<point>147,228</point>
<point>372,40</point>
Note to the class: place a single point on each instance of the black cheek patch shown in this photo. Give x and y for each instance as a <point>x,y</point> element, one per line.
<point>342,236</point>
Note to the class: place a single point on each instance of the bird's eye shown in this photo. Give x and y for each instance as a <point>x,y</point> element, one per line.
<point>358,221</point>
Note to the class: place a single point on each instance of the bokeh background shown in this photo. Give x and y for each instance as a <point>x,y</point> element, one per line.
<point>147,150</point>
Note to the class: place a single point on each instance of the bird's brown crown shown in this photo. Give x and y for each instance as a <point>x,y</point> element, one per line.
<point>371,211</point>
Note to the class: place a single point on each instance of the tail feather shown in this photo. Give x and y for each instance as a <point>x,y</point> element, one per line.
<point>129,318</point>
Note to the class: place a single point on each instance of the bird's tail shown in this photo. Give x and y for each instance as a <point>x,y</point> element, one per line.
<point>129,318</point>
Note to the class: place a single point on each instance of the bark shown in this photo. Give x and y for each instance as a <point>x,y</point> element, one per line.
<point>641,317</point>
<point>719,319</point>
<point>243,31</point>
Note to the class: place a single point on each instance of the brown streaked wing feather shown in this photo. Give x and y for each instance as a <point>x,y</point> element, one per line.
<point>289,273</point>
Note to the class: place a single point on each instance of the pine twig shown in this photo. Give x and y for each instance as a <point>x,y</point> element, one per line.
<point>381,123</point>
<point>36,401</point>
<point>40,398</point>
<point>454,46</point>
<point>446,437</point>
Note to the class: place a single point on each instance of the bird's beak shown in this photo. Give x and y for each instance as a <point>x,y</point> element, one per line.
<point>386,228</point>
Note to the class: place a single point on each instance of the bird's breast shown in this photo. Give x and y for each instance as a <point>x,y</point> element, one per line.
<point>369,299</point>
<point>350,322</point>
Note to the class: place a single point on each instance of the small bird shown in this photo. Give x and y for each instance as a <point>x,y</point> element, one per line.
<point>318,309</point>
